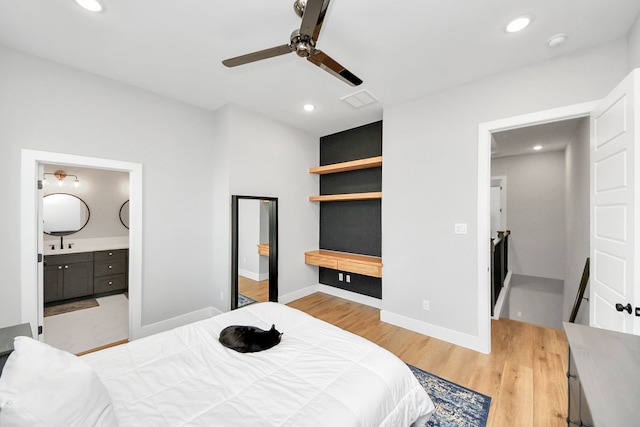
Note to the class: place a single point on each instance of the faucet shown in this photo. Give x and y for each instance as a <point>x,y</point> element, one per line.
<point>61,242</point>
<point>53,247</point>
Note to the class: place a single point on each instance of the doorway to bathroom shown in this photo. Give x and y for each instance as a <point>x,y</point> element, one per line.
<point>103,265</point>
<point>86,239</point>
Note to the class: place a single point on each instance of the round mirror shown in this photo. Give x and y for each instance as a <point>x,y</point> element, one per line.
<point>64,214</point>
<point>124,214</point>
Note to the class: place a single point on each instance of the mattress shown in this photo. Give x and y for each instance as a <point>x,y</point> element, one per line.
<point>319,375</point>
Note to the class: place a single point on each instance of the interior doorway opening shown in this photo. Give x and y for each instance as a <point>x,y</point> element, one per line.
<point>86,238</point>
<point>545,157</point>
<point>31,231</point>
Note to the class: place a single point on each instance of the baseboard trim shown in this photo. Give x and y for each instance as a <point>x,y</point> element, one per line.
<point>252,275</point>
<point>174,322</point>
<point>330,290</point>
<point>351,296</point>
<point>300,293</point>
<point>428,329</point>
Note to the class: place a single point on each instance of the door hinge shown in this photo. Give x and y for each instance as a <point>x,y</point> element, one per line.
<point>39,257</point>
<point>39,330</point>
<point>39,184</point>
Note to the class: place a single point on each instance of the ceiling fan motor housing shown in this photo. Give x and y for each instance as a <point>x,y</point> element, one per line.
<point>301,44</point>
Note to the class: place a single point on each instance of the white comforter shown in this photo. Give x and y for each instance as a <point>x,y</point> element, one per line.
<point>319,375</point>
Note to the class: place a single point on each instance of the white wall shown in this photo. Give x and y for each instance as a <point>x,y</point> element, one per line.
<point>279,158</point>
<point>186,153</point>
<point>633,44</point>
<point>260,157</point>
<point>577,220</point>
<point>103,191</point>
<point>535,202</point>
<point>430,182</point>
<point>48,107</point>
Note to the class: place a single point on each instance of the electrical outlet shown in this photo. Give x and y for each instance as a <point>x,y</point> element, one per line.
<point>519,314</point>
<point>426,305</point>
<point>340,275</point>
<point>221,295</point>
<point>460,228</point>
<point>348,278</point>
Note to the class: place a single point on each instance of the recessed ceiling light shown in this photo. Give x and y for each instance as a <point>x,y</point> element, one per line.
<point>538,147</point>
<point>90,5</point>
<point>518,24</point>
<point>309,107</point>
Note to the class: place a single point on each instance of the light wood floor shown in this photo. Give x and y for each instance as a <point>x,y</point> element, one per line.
<point>524,374</point>
<point>258,291</point>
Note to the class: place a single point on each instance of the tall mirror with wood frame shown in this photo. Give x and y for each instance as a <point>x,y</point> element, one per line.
<point>254,250</point>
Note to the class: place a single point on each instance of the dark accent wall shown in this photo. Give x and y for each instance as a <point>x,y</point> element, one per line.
<point>352,226</point>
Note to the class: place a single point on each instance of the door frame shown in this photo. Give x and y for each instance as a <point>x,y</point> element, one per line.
<point>484,208</point>
<point>31,240</point>
<point>273,247</point>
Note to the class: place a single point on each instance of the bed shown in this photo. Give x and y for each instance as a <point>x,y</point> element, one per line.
<point>319,375</point>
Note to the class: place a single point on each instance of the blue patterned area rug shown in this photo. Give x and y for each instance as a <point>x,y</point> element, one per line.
<point>242,300</point>
<point>456,406</point>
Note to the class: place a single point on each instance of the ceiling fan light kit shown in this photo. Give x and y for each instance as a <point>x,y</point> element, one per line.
<point>303,43</point>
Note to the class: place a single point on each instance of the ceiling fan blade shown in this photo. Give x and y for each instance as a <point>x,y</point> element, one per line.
<point>313,18</point>
<point>257,56</point>
<point>328,64</point>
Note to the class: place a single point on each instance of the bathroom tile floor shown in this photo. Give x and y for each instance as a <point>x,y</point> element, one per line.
<point>87,329</point>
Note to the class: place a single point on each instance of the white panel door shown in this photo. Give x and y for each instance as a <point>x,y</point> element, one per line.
<point>614,276</point>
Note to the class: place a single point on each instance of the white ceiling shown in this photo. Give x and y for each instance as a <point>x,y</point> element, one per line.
<point>554,136</point>
<point>402,50</point>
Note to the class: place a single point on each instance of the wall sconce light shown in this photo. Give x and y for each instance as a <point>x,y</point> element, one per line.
<point>60,176</point>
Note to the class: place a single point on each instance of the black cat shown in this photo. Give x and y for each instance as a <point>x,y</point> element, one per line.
<point>249,339</point>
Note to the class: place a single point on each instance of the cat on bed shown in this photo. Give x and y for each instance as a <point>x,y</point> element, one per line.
<point>249,339</point>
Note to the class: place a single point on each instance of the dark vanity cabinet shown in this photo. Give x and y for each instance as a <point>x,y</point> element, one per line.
<point>84,274</point>
<point>110,271</point>
<point>68,276</point>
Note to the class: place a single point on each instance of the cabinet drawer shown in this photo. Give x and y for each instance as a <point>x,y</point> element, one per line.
<point>68,258</point>
<point>113,254</point>
<point>364,269</point>
<point>109,283</point>
<point>109,267</point>
<point>321,261</point>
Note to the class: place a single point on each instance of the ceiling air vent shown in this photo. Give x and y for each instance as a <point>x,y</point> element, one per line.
<point>359,99</point>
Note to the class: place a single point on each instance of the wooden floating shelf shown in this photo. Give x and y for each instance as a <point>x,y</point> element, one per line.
<point>346,197</point>
<point>263,249</point>
<point>343,261</point>
<point>371,162</point>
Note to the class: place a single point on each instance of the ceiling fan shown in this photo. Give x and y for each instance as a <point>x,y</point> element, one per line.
<point>303,43</point>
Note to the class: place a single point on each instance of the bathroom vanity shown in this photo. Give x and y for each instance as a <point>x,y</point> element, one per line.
<point>85,274</point>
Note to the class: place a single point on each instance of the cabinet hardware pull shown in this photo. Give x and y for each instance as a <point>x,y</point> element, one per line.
<point>66,266</point>
<point>59,267</point>
<point>110,266</point>
<point>621,307</point>
<point>110,253</point>
<point>570,421</point>
<point>110,283</point>
<point>570,375</point>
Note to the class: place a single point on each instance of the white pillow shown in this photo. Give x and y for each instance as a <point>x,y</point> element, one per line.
<point>43,386</point>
